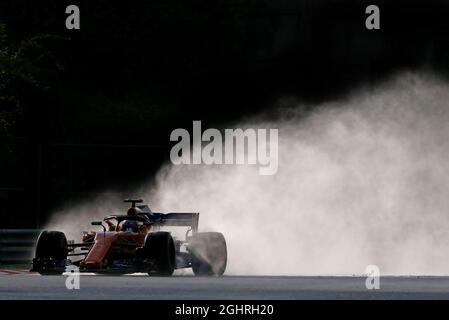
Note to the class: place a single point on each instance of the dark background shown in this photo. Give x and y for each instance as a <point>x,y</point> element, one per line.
<point>86,110</point>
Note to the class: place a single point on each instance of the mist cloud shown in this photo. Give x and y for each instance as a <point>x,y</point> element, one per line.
<point>360,181</point>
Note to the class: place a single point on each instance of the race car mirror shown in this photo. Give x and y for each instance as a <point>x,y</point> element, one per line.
<point>98,223</point>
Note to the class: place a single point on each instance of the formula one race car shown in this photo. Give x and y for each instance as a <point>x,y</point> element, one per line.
<point>134,243</point>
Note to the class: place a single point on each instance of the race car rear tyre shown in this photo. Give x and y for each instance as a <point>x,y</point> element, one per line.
<point>160,247</point>
<point>208,253</point>
<point>51,253</point>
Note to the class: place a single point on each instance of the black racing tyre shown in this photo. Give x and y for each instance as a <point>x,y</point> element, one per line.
<point>208,253</point>
<point>160,247</point>
<point>51,245</point>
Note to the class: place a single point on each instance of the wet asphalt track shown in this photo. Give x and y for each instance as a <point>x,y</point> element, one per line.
<point>33,286</point>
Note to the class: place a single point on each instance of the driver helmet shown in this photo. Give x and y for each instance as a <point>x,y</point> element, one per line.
<point>130,225</point>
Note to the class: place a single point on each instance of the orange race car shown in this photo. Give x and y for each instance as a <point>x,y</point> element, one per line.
<point>134,243</point>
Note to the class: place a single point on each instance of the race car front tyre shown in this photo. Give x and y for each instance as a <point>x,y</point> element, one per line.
<point>208,253</point>
<point>160,248</point>
<point>51,253</point>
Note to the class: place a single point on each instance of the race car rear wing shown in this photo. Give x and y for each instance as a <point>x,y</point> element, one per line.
<point>178,219</point>
<point>181,219</point>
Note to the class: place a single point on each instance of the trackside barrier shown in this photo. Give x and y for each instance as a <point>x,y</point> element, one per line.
<point>17,245</point>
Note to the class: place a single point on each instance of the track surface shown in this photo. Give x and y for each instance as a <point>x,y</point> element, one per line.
<point>33,286</point>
